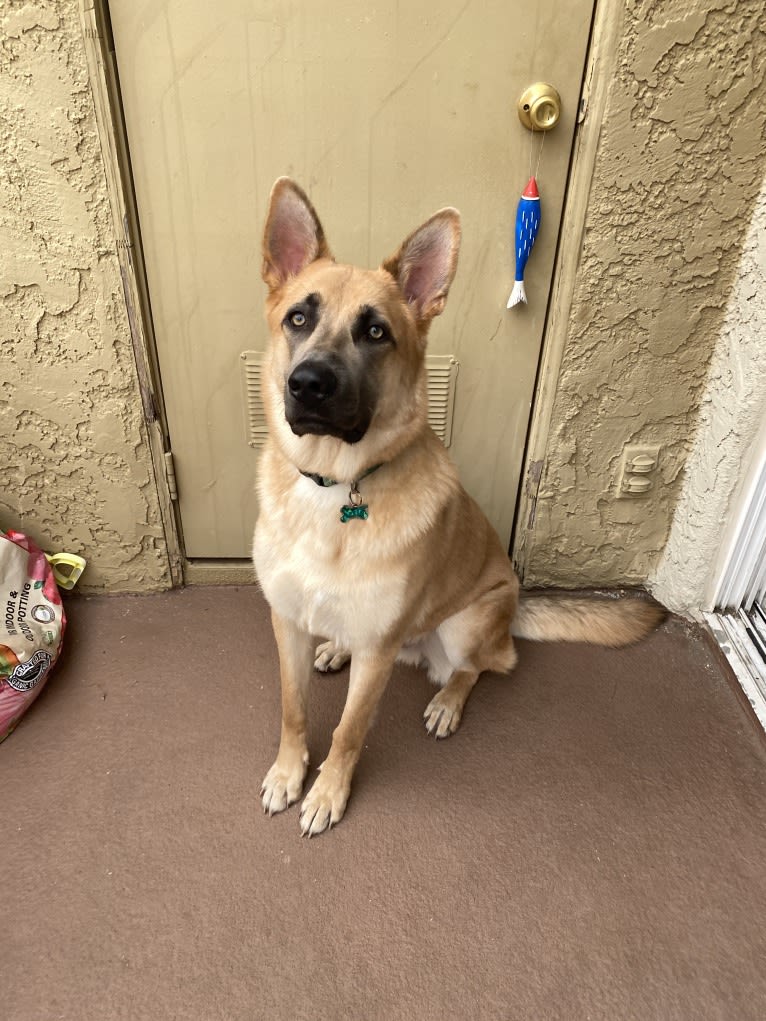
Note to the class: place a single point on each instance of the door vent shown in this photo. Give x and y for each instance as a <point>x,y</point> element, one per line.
<point>442,378</point>
<point>255,416</point>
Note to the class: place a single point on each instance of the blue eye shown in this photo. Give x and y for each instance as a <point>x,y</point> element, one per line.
<point>375,333</point>
<point>298,319</point>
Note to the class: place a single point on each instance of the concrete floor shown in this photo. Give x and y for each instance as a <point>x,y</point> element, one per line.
<point>591,844</point>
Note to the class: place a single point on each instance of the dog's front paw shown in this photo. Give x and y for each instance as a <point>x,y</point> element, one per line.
<point>324,805</point>
<point>282,785</point>
<point>329,657</point>
<point>443,714</point>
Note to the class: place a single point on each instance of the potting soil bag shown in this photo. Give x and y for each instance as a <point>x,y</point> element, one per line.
<point>32,625</point>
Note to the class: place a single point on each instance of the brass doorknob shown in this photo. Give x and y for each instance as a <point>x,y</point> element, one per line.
<point>539,107</point>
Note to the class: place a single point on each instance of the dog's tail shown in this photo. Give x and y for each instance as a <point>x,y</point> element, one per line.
<point>612,622</point>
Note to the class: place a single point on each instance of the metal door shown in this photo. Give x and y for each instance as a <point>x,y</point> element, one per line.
<point>384,113</point>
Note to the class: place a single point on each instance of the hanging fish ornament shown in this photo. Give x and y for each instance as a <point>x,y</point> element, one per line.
<point>527,226</point>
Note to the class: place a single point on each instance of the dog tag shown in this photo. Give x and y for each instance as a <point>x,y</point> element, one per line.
<point>354,508</point>
<point>347,512</point>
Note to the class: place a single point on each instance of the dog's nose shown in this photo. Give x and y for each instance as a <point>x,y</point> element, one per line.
<point>312,382</point>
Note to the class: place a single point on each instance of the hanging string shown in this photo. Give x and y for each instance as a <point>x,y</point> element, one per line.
<point>531,147</point>
<point>539,154</point>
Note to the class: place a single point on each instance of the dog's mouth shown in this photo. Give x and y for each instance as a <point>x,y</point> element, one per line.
<point>315,425</point>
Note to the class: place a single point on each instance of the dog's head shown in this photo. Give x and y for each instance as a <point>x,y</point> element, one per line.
<point>346,381</point>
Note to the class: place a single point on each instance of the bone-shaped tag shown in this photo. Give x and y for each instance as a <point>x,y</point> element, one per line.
<point>347,512</point>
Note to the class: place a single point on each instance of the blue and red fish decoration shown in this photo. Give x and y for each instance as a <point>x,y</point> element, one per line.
<point>527,226</point>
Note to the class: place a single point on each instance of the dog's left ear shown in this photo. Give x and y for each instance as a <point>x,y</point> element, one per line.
<point>293,236</point>
<point>426,262</point>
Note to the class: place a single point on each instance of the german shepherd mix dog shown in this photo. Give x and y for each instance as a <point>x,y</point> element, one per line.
<point>365,536</point>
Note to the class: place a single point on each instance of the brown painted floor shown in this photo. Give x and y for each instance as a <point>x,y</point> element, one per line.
<point>591,844</point>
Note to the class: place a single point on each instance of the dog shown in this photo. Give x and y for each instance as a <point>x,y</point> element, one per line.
<point>365,536</point>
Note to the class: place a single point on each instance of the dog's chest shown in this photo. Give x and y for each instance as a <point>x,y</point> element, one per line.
<point>326,575</point>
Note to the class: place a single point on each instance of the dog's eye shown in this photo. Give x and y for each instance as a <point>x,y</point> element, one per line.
<point>298,319</point>
<point>375,332</point>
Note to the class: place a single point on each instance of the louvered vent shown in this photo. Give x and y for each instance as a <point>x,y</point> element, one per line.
<point>442,377</point>
<point>255,417</point>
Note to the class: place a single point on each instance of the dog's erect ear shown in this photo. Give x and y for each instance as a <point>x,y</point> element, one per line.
<point>426,262</point>
<point>293,236</point>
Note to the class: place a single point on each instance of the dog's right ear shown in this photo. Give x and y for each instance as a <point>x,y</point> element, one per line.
<point>293,236</point>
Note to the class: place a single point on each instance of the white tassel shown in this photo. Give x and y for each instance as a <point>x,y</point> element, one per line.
<point>518,294</point>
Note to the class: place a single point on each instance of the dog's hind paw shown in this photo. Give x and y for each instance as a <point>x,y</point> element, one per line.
<point>281,787</point>
<point>330,658</point>
<point>443,714</point>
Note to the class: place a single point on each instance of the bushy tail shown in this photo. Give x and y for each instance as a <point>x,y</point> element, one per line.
<point>612,622</point>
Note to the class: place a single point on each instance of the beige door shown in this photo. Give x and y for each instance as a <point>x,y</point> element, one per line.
<point>384,112</point>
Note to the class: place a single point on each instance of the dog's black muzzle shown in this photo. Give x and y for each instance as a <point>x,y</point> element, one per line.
<point>322,400</point>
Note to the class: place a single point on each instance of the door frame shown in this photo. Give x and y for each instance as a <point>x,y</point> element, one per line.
<point>99,54</point>
<point>736,578</point>
<point>99,47</point>
<point>606,31</point>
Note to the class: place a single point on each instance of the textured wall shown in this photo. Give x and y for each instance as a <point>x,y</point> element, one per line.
<point>732,416</point>
<point>679,165</point>
<point>75,465</point>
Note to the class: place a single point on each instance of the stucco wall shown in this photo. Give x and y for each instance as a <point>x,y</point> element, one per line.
<point>732,417</point>
<point>679,166</point>
<point>75,465</point>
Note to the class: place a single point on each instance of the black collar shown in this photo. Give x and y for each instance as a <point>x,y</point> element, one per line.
<point>324,481</point>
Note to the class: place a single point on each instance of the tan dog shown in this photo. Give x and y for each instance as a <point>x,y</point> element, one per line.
<point>365,536</point>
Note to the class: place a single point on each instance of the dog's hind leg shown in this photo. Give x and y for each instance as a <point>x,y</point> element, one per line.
<point>283,783</point>
<point>445,710</point>
<point>472,641</point>
<point>330,657</point>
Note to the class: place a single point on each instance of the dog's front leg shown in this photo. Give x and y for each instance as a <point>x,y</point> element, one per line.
<point>284,781</point>
<point>325,803</point>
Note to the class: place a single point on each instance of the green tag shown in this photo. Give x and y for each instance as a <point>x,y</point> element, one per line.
<point>347,512</point>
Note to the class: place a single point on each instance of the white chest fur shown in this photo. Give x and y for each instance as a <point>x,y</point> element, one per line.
<point>328,576</point>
